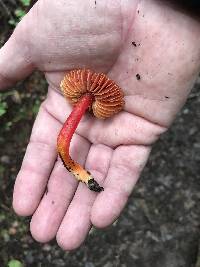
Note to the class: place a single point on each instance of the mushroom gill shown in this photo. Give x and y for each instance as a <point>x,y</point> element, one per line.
<point>107,95</point>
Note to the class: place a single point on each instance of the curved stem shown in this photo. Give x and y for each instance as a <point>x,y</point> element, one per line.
<point>64,139</point>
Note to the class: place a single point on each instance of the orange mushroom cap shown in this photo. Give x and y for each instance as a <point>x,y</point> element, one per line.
<point>107,95</point>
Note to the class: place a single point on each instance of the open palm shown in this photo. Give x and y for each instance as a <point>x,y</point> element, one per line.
<point>143,46</point>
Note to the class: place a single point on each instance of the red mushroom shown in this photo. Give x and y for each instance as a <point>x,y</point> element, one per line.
<point>86,89</point>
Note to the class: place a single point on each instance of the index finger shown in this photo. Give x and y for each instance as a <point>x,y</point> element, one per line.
<point>37,164</point>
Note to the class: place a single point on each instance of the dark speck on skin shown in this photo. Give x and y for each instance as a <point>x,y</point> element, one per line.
<point>138,11</point>
<point>52,202</point>
<point>95,2</point>
<point>138,76</point>
<point>134,43</point>
<point>116,132</point>
<point>167,97</point>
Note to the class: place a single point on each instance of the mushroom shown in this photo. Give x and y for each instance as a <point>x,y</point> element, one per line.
<point>86,89</point>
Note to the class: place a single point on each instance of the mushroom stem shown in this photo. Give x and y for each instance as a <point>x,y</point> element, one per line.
<point>64,139</point>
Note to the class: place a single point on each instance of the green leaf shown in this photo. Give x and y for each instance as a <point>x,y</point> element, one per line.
<point>3,108</point>
<point>12,22</point>
<point>14,263</point>
<point>8,125</point>
<point>19,13</point>
<point>25,2</point>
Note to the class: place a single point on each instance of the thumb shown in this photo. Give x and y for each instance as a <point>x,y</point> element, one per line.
<point>15,60</point>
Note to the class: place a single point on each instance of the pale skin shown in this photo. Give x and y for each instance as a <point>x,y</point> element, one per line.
<point>57,36</point>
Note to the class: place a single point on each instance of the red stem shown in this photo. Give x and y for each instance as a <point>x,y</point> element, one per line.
<point>64,139</point>
<point>73,120</point>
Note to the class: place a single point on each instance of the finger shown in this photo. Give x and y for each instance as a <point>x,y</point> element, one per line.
<point>37,164</point>
<point>15,60</point>
<point>76,223</point>
<point>126,165</point>
<point>60,190</point>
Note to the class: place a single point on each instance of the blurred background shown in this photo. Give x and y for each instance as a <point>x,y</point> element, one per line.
<point>160,225</point>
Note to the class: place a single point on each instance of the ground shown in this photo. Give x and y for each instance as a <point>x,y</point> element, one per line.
<point>160,225</point>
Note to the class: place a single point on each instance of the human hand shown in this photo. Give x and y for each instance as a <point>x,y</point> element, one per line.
<point>57,36</point>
